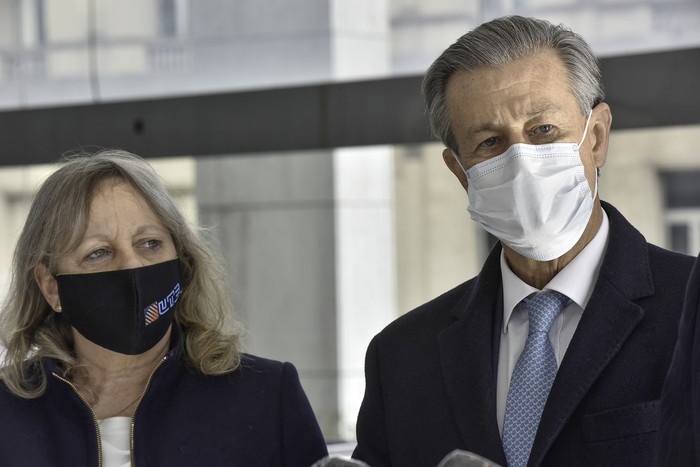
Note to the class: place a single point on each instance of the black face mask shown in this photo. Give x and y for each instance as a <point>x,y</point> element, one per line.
<point>126,311</point>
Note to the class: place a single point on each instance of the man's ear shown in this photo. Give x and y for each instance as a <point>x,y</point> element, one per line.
<point>451,162</point>
<point>48,286</point>
<point>601,120</point>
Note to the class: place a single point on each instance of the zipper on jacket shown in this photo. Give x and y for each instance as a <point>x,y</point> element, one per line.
<point>133,417</point>
<point>94,417</point>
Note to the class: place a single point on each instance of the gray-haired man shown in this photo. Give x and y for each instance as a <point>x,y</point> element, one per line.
<point>555,354</point>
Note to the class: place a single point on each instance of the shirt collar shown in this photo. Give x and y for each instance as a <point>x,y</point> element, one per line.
<point>576,280</point>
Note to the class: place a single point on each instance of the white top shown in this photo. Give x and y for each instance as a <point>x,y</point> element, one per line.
<point>115,435</point>
<point>576,281</point>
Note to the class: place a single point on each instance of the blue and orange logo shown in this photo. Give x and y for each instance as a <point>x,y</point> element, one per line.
<point>157,309</point>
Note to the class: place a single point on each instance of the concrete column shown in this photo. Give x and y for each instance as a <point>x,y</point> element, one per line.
<point>439,246</point>
<point>365,265</point>
<point>309,236</point>
<point>274,215</point>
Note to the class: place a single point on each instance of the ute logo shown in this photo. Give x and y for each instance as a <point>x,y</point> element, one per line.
<point>157,309</point>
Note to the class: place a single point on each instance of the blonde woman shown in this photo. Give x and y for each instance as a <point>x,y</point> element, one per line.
<point>116,353</point>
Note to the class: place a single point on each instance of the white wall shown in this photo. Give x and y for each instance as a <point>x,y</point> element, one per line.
<point>630,178</point>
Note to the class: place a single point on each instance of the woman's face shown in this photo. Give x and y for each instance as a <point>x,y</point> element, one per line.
<point>122,233</point>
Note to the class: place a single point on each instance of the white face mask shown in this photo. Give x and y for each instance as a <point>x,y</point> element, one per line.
<point>534,198</point>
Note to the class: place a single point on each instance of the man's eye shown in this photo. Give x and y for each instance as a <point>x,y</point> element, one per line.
<point>490,142</point>
<point>544,129</point>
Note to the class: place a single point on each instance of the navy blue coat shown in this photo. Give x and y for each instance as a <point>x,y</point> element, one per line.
<point>431,374</point>
<point>257,415</point>
<point>679,438</point>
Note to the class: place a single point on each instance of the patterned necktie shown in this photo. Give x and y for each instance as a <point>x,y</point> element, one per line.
<point>532,378</point>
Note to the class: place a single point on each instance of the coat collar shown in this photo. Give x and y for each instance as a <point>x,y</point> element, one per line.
<point>469,359</point>
<point>608,320</point>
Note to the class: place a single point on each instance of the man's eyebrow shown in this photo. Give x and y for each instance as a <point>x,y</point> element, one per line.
<point>544,108</point>
<point>485,127</point>
<point>535,112</point>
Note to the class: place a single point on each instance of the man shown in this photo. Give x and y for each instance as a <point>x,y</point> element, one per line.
<point>555,354</point>
<point>679,429</point>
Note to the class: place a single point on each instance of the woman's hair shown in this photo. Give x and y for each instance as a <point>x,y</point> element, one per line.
<point>29,328</point>
<point>500,42</point>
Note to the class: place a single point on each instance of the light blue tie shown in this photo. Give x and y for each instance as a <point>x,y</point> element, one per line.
<point>532,378</point>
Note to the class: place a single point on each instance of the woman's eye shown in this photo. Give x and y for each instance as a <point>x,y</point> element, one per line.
<point>97,254</point>
<point>152,244</point>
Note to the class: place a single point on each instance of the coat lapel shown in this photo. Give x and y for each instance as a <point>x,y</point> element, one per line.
<point>468,355</point>
<point>608,320</point>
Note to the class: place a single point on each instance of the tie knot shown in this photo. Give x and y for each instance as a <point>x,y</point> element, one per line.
<point>543,308</point>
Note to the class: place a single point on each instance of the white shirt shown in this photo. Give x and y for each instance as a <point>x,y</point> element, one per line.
<point>576,281</point>
<point>115,435</point>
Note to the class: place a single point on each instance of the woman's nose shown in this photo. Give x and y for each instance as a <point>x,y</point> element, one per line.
<point>129,260</point>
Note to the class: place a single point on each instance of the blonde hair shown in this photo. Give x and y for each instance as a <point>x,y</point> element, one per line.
<point>57,220</point>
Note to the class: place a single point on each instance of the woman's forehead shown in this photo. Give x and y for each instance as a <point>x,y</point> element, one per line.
<point>117,204</point>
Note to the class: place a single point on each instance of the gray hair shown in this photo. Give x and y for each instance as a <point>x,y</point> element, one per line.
<point>30,330</point>
<point>500,42</point>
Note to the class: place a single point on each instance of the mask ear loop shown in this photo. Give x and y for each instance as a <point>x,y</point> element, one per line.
<point>585,132</point>
<point>458,161</point>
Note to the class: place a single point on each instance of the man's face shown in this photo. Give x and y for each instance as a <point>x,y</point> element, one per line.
<point>527,101</point>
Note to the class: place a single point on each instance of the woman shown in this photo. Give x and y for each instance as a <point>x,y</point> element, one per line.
<point>116,352</point>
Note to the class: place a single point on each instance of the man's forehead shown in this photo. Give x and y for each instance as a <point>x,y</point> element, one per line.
<point>527,105</point>
<point>534,67</point>
<point>535,86</point>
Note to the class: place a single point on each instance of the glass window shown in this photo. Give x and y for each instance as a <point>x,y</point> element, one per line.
<point>680,237</point>
<point>682,189</point>
<point>682,200</point>
<point>75,51</point>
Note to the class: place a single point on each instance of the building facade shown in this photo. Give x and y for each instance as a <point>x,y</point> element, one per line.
<point>325,247</point>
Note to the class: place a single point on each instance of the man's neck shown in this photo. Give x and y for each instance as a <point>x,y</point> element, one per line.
<point>539,273</point>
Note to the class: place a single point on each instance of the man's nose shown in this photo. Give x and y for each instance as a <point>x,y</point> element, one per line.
<point>518,137</point>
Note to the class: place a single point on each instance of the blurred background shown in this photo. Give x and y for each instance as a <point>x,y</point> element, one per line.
<point>295,129</point>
